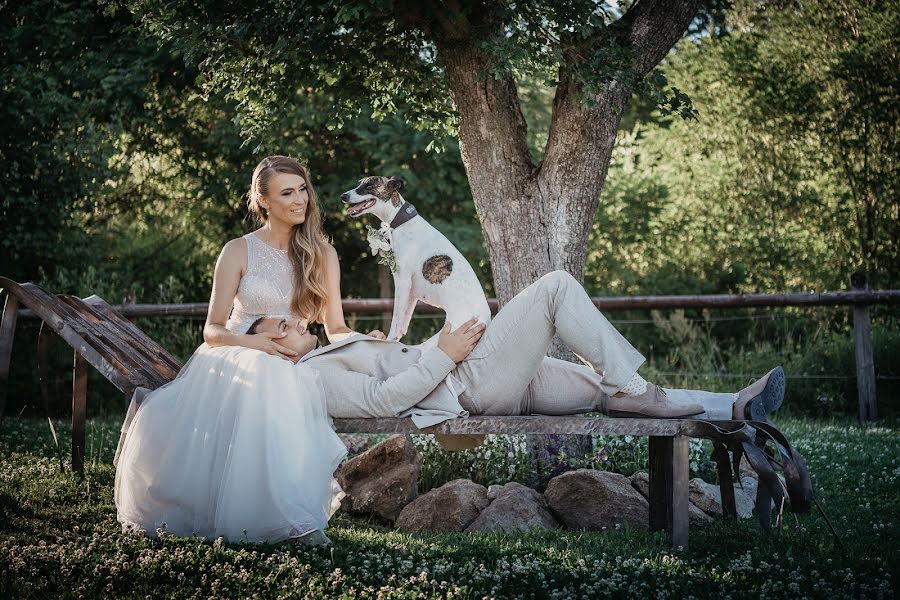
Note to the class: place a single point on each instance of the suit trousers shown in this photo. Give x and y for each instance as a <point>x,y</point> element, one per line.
<point>508,372</point>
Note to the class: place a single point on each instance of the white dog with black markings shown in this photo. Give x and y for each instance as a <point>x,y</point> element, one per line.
<point>427,266</point>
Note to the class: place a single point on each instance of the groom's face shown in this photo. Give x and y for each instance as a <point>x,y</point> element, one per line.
<point>297,338</point>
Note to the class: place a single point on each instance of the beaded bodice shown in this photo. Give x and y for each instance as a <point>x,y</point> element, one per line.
<point>265,288</point>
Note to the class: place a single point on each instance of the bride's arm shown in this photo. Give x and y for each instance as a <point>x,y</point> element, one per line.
<point>333,319</point>
<point>230,268</point>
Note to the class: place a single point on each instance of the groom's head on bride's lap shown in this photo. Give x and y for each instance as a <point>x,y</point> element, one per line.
<point>297,337</point>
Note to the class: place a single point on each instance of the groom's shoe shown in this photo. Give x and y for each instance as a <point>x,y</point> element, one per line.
<point>653,403</point>
<point>761,397</point>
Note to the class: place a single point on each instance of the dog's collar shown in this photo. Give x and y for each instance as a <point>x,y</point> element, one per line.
<point>405,214</point>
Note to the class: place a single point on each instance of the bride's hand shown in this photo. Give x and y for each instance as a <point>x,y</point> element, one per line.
<point>265,341</point>
<point>378,335</point>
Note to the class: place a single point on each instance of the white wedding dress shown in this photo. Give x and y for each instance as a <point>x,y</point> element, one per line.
<point>239,445</point>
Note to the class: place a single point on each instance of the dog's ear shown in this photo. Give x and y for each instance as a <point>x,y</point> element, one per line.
<point>395,184</point>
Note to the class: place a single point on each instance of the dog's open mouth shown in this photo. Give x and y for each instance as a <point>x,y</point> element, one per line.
<point>355,209</point>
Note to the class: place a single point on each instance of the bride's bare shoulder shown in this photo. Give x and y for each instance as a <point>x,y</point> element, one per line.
<point>234,252</point>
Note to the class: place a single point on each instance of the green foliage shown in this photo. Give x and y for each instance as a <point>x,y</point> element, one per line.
<point>357,55</point>
<point>380,58</point>
<point>62,105</point>
<point>789,179</point>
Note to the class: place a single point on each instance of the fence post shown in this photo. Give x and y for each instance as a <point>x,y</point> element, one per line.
<point>865,358</point>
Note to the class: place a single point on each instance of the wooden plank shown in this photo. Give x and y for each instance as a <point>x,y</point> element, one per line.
<point>679,502</point>
<point>109,370</point>
<point>94,348</point>
<point>660,481</point>
<point>45,305</point>
<point>126,332</point>
<point>7,334</point>
<point>518,424</point>
<point>865,359</point>
<point>70,326</point>
<point>107,339</point>
<point>99,305</point>
<point>79,411</point>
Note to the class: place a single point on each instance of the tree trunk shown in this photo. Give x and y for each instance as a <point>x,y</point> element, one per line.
<point>536,218</point>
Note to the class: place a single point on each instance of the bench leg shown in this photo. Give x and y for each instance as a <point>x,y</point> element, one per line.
<point>678,507</point>
<point>660,468</point>
<point>7,332</point>
<point>669,487</point>
<point>79,411</point>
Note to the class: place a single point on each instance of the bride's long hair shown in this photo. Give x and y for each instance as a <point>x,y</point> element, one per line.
<point>308,241</point>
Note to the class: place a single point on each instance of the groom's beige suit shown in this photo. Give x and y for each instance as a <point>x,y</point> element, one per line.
<point>508,372</point>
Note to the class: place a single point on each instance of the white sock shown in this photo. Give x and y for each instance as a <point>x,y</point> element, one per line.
<point>636,386</point>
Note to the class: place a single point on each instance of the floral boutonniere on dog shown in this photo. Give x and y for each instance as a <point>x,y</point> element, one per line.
<point>380,243</point>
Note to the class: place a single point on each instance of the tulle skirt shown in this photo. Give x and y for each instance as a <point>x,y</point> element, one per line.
<point>239,445</point>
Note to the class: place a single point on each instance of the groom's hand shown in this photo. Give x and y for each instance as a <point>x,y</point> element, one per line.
<point>458,344</point>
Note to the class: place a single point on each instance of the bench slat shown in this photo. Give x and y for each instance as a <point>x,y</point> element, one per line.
<point>102,308</point>
<point>534,424</point>
<point>119,345</point>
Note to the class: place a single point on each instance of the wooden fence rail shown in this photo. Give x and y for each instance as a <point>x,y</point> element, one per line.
<point>605,303</point>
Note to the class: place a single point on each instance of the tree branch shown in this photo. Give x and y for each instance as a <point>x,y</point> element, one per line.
<point>445,19</point>
<point>651,28</point>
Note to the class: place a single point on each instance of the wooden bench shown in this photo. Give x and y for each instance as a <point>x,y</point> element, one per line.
<point>128,358</point>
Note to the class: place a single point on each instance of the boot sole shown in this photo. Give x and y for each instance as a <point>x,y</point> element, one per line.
<point>770,399</point>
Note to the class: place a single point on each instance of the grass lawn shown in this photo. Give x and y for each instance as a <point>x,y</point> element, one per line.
<point>59,538</point>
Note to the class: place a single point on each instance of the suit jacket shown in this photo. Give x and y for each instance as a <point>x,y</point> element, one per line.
<point>367,377</point>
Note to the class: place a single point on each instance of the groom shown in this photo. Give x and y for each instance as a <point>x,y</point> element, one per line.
<point>502,369</point>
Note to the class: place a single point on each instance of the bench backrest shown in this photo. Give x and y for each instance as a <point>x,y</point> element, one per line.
<point>112,344</point>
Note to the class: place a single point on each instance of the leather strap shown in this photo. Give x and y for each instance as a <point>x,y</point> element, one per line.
<point>406,213</point>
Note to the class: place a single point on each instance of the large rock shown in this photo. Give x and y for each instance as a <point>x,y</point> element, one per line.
<point>381,480</point>
<point>708,497</point>
<point>451,507</point>
<point>641,482</point>
<point>356,443</point>
<point>749,486</point>
<point>589,499</point>
<point>513,507</point>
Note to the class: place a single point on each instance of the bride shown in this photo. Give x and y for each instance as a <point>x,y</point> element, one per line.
<point>239,444</point>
